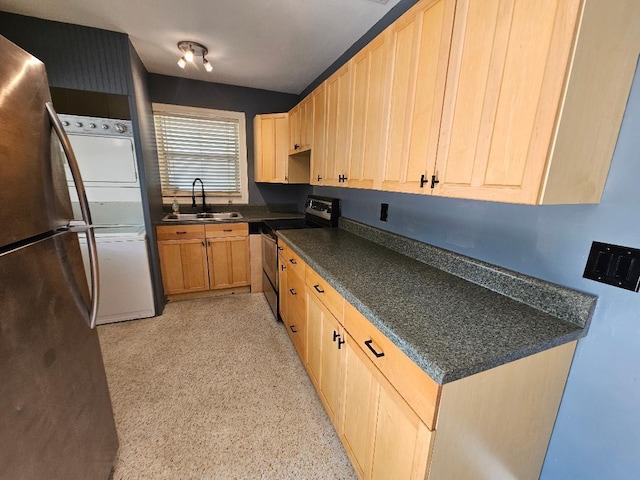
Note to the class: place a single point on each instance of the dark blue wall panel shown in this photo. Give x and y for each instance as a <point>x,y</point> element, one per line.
<point>76,57</point>
<point>145,141</point>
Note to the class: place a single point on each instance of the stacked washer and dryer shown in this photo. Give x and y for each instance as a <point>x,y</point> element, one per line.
<point>106,156</point>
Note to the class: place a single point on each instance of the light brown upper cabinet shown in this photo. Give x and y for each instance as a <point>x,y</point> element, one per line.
<point>417,56</point>
<point>301,126</point>
<point>272,162</point>
<point>534,100</point>
<point>271,140</point>
<point>368,85</point>
<point>337,118</point>
<point>319,126</point>
<point>294,129</point>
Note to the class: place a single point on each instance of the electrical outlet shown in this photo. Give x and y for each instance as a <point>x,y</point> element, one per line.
<point>384,211</point>
<point>614,265</point>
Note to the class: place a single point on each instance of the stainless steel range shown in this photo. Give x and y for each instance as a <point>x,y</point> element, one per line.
<point>320,212</point>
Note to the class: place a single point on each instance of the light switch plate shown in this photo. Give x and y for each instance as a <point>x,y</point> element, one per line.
<point>614,265</point>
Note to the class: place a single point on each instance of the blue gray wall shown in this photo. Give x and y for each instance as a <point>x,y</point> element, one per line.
<point>251,101</point>
<point>597,433</point>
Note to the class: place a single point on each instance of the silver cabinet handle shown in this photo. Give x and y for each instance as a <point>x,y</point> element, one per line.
<point>84,209</point>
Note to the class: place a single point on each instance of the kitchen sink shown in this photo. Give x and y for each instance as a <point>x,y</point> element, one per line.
<point>219,216</point>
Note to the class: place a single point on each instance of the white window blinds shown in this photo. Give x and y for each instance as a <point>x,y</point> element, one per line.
<point>198,146</point>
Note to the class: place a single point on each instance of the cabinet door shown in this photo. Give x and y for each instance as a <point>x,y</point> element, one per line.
<point>402,442</point>
<point>318,145</point>
<point>306,123</point>
<point>325,348</point>
<point>418,54</point>
<point>360,399</point>
<point>294,129</point>
<point>229,262</point>
<point>383,436</point>
<point>338,132</point>
<point>367,120</point>
<point>184,266</point>
<point>507,71</point>
<point>271,136</point>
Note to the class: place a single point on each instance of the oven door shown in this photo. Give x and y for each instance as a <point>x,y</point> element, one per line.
<point>269,258</point>
<point>270,294</point>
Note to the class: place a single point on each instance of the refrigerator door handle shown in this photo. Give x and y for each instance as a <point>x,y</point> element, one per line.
<point>84,209</point>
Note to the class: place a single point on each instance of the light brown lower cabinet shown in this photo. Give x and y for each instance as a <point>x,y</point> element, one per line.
<point>197,258</point>
<point>228,262</point>
<point>395,422</point>
<point>184,266</point>
<point>383,436</point>
<point>292,299</point>
<point>325,350</point>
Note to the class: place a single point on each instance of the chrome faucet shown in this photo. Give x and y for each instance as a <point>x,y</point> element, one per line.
<point>193,196</point>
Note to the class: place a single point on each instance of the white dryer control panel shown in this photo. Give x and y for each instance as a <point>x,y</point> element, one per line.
<point>106,156</point>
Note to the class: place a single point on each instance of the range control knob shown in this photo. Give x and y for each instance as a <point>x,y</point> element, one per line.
<point>65,123</point>
<point>92,125</point>
<point>78,124</point>
<point>120,128</point>
<point>105,126</point>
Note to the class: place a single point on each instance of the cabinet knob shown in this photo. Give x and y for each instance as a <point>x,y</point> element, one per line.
<point>292,260</point>
<point>286,179</point>
<point>319,290</point>
<point>335,335</point>
<point>283,267</point>
<point>292,291</point>
<point>340,342</point>
<point>319,178</point>
<point>434,181</point>
<point>293,329</point>
<point>296,146</point>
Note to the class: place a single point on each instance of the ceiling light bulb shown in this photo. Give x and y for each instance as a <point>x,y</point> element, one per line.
<point>182,62</point>
<point>207,65</point>
<point>188,55</point>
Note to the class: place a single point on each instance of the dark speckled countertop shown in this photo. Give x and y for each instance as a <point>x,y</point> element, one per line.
<point>450,326</point>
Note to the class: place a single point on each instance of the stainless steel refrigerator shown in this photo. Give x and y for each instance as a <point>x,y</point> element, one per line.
<point>56,419</point>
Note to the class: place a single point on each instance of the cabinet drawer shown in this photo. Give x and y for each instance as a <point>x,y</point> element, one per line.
<point>326,293</point>
<point>216,230</point>
<point>180,232</point>
<point>415,386</point>
<point>293,262</point>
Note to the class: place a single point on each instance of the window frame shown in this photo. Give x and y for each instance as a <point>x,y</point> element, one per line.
<point>219,198</point>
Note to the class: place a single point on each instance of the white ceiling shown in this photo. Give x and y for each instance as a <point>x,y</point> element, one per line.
<point>280,45</point>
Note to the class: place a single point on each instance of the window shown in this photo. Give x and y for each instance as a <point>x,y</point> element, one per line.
<point>201,143</point>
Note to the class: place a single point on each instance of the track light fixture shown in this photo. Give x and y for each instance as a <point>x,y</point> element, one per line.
<point>190,50</point>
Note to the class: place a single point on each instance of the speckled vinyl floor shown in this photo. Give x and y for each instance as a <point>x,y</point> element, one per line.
<point>213,389</point>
